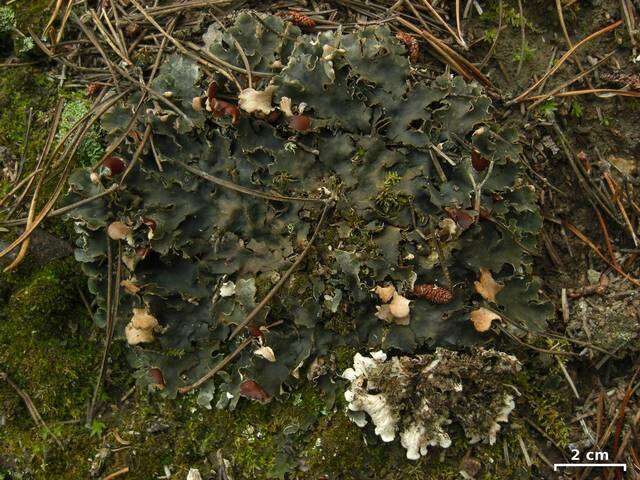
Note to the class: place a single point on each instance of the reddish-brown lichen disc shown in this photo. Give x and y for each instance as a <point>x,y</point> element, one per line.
<point>155,374</point>
<point>115,165</point>
<point>251,389</point>
<point>478,161</point>
<point>149,222</point>
<point>300,123</point>
<point>211,92</point>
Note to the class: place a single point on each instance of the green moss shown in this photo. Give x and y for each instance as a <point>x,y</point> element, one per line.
<point>43,339</point>
<point>548,402</point>
<point>7,20</point>
<point>35,93</point>
<point>91,149</point>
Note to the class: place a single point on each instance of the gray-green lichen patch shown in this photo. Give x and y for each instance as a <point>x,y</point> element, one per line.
<point>417,398</point>
<point>347,120</point>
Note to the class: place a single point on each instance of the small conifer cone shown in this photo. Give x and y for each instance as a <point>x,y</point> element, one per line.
<point>301,20</point>
<point>433,293</point>
<point>412,45</point>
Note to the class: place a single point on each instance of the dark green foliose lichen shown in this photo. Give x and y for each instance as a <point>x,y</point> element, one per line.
<point>398,154</point>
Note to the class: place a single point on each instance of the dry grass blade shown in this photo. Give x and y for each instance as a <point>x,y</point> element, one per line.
<point>565,32</point>
<point>113,300</point>
<point>607,239</point>
<point>219,366</point>
<point>137,153</point>
<point>68,154</point>
<point>541,98</point>
<point>40,164</point>
<point>66,209</point>
<point>438,17</point>
<point>616,197</point>
<point>53,17</point>
<point>117,473</point>
<point>589,91</point>
<point>523,38</point>
<point>20,184</point>
<point>450,56</point>
<point>563,59</point>
<point>459,24</point>
<point>489,54</point>
<point>42,168</point>
<point>164,10</point>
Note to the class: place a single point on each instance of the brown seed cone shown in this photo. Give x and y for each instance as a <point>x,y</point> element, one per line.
<point>300,20</point>
<point>432,293</point>
<point>412,45</point>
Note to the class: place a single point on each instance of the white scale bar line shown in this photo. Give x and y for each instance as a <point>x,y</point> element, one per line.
<point>598,465</point>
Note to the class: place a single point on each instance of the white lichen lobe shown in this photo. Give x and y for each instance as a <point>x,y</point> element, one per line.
<point>419,397</point>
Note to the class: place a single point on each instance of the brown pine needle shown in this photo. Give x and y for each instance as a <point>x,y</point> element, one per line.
<point>607,239</point>
<point>564,58</point>
<point>117,473</point>
<point>589,91</point>
<point>573,229</point>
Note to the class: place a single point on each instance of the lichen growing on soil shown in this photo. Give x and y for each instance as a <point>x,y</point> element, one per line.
<point>397,155</point>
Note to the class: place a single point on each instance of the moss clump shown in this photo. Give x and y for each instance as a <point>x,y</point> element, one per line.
<point>548,401</point>
<point>34,93</point>
<point>7,20</point>
<point>43,341</point>
<point>91,149</point>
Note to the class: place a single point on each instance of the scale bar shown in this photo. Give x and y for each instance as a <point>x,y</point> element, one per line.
<point>595,465</point>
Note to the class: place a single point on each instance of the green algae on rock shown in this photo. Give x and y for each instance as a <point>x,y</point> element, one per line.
<point>239,193</point>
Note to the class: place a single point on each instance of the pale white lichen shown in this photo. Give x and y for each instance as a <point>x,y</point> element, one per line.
<point>417,398</point>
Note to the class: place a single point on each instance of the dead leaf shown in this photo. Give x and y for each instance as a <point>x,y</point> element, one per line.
<point>487,286</point>
<point>482,319</point>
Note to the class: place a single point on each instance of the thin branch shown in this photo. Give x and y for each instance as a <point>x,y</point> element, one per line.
<point>241,189</point>
<point>328,206</point>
